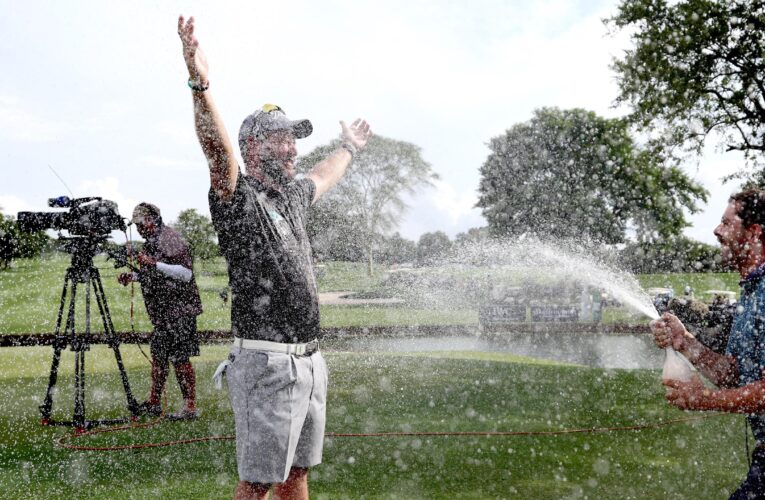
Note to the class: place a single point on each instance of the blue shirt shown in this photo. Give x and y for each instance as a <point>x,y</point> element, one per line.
<point>746,339</point>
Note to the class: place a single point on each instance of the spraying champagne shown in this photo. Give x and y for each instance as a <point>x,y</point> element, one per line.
<point>676,366</point>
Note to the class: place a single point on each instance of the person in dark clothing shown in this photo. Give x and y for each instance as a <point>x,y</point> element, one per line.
<point>172,302</point>
<point>739,372</point>
<point>277,377</point>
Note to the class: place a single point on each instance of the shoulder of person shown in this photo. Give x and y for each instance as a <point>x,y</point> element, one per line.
<point>241,184</point>
<point>169,233</point>
<point>172,241</point>
<point>302,184</point>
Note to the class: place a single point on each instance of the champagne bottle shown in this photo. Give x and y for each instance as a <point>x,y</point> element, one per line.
<point>676,367</point>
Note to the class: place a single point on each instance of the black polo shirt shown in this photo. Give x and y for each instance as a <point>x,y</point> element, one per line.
<point>168,299</point>
<point>262,235</point>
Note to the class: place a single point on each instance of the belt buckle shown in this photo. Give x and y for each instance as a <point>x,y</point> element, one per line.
<point>312,346</point>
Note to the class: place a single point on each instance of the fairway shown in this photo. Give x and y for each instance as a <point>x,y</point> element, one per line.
<point>30,293</point>
<point>377,393</point>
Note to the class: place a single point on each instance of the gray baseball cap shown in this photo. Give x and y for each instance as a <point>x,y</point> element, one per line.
<point>271,118</point>
<point>144,211</point>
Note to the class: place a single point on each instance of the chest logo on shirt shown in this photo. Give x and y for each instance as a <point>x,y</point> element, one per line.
<point>274,215</point>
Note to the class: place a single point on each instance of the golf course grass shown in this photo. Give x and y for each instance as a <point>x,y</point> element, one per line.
<point>370,392</point>
<point>380,393</point>
<point>30,293</point>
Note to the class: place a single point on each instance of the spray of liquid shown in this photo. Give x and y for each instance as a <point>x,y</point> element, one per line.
<point>521,263</point>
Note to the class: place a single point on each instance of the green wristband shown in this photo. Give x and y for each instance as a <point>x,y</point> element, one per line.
<point>198,88</point>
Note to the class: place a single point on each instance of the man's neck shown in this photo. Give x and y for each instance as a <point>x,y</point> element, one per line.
<point>265,179</point>
<point>751,264</point>
<point>155,234</point>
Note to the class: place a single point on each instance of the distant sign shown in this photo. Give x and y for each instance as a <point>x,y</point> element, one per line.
<point>551,313</point>
<point>502,313</point>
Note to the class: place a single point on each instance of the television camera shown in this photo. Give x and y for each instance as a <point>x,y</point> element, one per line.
<point>89,222</point>
<point>91,217</point>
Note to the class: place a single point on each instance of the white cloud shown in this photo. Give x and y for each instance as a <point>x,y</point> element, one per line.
<point>109,189</point>
<point>21,122</point>
<point>457,205</point>
<point>179,131</point>
<point>11,204</point>
<point>446,76</point>
<point>173,164</point>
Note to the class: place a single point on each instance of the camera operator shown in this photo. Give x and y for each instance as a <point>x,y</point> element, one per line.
<point>172,301</point>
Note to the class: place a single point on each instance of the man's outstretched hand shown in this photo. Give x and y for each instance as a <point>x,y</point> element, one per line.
<point>195,58</point>
<point>357,134</point>
<point>688,395</point>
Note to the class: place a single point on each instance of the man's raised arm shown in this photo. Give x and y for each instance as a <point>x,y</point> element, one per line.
<point>210,128</point>
<point>329,171</point>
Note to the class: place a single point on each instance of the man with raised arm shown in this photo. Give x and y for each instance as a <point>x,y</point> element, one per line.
<point>739,372</point>
<point>277,377</point>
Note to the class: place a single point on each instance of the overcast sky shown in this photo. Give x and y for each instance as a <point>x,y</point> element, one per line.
<point>98,92</point>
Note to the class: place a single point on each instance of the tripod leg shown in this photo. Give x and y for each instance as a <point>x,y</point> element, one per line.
<point>47,405</point>
<point>112,340</point>
<point>59,343</point>
<point>79,369</point>
<point>79,346</point>
<point>79,391</point>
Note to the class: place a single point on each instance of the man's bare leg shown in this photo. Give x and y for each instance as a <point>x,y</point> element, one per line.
<point>184,373</point>
<point>159,370</point>
<point>251,491</point>
<point>295,487</point>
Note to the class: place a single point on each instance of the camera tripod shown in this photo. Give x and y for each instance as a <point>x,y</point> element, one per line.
<point>82,271</point>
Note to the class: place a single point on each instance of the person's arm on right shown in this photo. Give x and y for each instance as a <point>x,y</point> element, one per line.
<point>211,131</point>
<point>668,331</point>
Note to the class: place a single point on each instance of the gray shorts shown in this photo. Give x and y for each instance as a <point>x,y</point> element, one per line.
<point>279,403</point>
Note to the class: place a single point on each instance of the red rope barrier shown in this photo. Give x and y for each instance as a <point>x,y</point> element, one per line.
<point>64,440</point>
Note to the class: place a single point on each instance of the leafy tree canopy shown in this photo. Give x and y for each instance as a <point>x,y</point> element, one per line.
<point>198,232</point>
<point>573,174</point>
<point>15,243</point>
<point>678,255</point>
<point>472,235</point>
<point>696,66</point>
<point>396,249</point>
<point>431,246</point>
<point>370,198</point>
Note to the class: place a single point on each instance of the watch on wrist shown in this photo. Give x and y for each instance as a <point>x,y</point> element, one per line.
<point>350,148</point>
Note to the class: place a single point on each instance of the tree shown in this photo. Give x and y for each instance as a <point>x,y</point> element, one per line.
<point>679,255</point>
<point>696,66</point>
<point>573,174</point>
<point>431,246</point>
<point>371,194</point>
<point>333,233</point>
<point>15,243</point>
<point>7,241</point>
<point>472,236</point>
<point>397,250</point>
<point>198,232</point>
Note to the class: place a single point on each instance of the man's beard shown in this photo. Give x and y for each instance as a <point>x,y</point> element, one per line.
<point>274,170</point>
<point>733,255</point>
